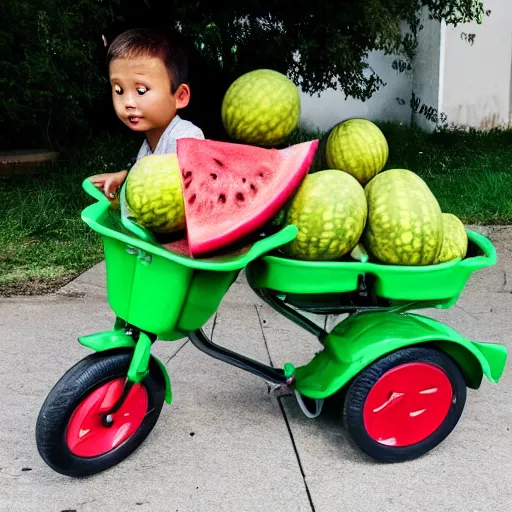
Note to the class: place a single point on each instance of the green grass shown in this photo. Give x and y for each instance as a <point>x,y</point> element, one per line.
<point>44,243</point>
<point>470,173</point>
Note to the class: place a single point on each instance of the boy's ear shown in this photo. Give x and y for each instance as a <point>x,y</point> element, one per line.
<point>182,96</point>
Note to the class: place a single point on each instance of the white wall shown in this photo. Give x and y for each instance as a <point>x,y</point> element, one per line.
<point>477,77</point>
<point>452,82</point>
<point>390,102</point>
<point>426,74</point>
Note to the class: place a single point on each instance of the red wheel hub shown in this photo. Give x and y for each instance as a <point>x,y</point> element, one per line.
<point>407,404</point>
<point>88,436</point>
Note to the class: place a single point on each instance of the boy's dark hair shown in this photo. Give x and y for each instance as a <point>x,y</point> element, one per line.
<point>148,42</point>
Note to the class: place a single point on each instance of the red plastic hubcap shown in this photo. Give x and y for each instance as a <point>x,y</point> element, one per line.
<point>407,404</point>
<point>87,435</point>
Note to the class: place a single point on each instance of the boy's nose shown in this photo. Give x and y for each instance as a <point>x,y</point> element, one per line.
<point>129,101</point>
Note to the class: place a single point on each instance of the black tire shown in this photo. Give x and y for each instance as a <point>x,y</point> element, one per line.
<point>361,386</point>
<point>74,386</point>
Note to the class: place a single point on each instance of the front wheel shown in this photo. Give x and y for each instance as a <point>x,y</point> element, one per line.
<point>404,404</point>
<point>72,434</point>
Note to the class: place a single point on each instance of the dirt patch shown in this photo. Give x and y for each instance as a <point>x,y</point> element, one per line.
<point>35,286</point>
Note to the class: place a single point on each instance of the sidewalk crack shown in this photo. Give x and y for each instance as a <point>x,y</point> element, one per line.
<point>187,340</point>
<point>214,325</point>
<point>287,423</point>
<point>176,353</point>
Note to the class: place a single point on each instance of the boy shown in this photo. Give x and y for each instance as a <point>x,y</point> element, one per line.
<point>148,76</point>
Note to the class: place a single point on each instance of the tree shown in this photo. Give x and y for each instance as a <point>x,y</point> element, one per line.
<point>53,82</point>
<point>321,44</point>
<point>52,71</point>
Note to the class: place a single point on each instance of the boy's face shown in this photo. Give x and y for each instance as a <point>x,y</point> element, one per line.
<point>141,93</point>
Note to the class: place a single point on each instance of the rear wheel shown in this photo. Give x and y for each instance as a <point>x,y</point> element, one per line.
<point>404,404</point>
<point>73,434</point>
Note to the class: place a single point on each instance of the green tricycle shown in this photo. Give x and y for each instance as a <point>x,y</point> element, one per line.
<point>400,377</point>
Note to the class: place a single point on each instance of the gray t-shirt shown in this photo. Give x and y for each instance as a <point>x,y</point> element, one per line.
<point>178,128</point>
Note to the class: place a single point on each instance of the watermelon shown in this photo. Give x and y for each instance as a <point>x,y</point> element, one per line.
<point>358,147</point>
<point>261,107</point>
<point>455,239</point>
<point>330,211</point>
<point>231,190</point>
<point>405,223</point>
<point>153,193</point>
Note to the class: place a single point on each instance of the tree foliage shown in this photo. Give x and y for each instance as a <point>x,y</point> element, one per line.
<point>51,70</point>
<point>53,81</point>
<point>321,44</point>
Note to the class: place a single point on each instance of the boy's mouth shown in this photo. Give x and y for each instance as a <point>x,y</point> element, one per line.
<point>134,119</point>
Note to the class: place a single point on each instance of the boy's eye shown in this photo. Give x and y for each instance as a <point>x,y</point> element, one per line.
<point>141,90</point>
<point>118,89</point>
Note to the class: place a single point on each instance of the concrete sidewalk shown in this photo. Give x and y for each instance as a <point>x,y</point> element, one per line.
<point>225,444</point>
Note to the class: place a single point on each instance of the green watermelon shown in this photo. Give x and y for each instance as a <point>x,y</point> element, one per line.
<point>405,224</point>
<point>358,147</point>
<point>330,211</point>
<point>455,239</point>
<point>153,193</point>
<point>261,107</point>
<point>231,190</point>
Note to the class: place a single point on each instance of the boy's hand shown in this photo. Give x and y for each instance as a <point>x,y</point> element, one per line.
<point>108,183</point>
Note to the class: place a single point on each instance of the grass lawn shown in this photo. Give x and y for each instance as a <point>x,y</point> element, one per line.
<point>470,173</point>
<point>44,243</point>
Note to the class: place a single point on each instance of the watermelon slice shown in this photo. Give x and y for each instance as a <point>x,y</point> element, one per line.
<point>231,190</point>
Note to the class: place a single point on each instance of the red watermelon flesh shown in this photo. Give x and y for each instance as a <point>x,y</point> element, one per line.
<point>231,190</point>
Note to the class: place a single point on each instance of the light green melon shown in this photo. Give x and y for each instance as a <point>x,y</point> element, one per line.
<point>154,193</point>
<point>261,107</point>
<point>455,239</point>
<point>330,212</point>
<point>358,147</point>
<point>405,224</point>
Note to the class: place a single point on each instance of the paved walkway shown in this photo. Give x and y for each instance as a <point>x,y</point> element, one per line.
<point>225,444</point>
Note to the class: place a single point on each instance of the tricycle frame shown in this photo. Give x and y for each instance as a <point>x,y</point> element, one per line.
<point>341,351</point>
<point>159,294</point>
